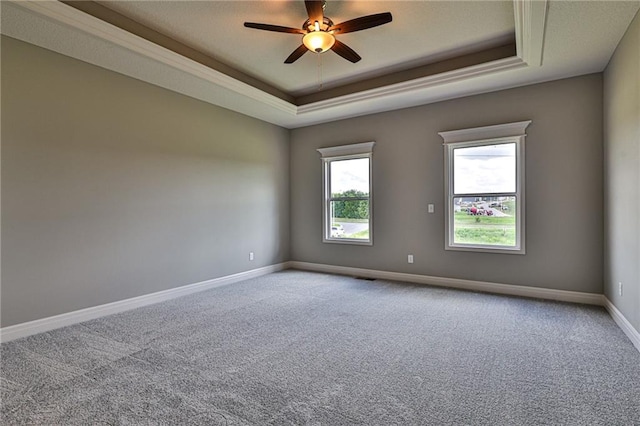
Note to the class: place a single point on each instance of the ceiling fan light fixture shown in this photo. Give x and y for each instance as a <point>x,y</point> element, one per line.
<point>318,31</point>
<point>318,41</point>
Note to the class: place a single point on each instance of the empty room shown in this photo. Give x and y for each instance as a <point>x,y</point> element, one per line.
<point>299,212</point>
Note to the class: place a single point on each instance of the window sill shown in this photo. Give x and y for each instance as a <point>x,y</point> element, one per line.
<point>486,249</point>
<point>348,241</point>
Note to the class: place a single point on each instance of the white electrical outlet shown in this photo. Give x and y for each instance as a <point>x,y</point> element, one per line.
<point>410,258</point>
<point>430,208</point>
<point>620,289</point>
<point>251,255</point>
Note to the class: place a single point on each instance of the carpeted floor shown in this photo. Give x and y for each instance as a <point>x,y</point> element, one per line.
<point>305,348</point>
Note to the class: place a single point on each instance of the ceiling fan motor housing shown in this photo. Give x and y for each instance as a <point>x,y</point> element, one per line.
<point>318,39</point>
<point>311,26</point>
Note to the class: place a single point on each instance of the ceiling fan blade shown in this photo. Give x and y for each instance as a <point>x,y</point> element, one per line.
<point>362,23</point>
<point>314,10</point>
<point>276,28</point>
<point>301,50</point>
<point>345,51</point>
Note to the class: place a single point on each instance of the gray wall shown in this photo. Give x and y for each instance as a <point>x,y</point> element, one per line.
<point>113,188</point>
<point>622,174</point>
<point>563,183</point>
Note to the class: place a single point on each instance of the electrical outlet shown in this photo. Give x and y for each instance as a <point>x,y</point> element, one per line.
<point>620,289</point>
<point>410,258</point>
<point>430,208</point>
<point>251,255</point>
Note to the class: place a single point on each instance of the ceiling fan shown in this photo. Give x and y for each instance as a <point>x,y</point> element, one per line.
<point>318,32</point>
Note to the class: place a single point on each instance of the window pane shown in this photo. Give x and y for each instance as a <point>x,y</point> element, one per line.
<point>484,221</point>
<point>350,178</point>
<point>484,169</point>
<point>350,219</point>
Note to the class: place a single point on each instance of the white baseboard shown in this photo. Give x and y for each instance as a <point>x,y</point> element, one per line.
<point>622,322</point>
<point>513,290</point>
<point>45,324</point>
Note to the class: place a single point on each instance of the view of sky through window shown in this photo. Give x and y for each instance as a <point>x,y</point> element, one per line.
<point>485,169</point>
<point>350,174</point>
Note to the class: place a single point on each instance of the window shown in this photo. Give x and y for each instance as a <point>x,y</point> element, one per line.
<point>484,188</point>
<point>347,206</point>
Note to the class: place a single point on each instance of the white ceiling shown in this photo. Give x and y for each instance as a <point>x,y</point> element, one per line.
<point>571,38</point>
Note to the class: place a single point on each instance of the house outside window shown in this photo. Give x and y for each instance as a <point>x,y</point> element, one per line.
<point>484,188</point>
<point>347,194</point>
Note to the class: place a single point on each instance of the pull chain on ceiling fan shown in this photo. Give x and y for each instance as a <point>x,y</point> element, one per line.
<point>319,32</point>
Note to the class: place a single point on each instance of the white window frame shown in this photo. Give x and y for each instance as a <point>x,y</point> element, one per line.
<point>479,136</point>
<point>336,153</point>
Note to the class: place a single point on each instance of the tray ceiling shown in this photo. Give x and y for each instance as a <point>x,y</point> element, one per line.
<point>420,33</point>
<point>430,52</point>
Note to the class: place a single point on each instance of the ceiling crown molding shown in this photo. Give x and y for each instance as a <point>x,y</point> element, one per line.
<point>531,19</point>
<point>71,17</point>
<point>415,85</point>
<point>64,29</point>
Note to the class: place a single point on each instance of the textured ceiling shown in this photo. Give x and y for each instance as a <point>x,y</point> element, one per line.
<point>421,32</point>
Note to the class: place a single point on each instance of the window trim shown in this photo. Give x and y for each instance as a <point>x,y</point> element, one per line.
<point>336,153</point>
<point>479,136</point>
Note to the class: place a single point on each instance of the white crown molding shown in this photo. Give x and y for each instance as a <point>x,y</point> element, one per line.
<point>50,323</point>
<point>62,13</point>
<point>530,18</point>
<point>415,85</point>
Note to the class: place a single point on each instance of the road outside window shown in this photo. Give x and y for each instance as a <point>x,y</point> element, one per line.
<point>484,202</point>
<point>347,194</point>
<point>349,202</point>
<point>484,186</point>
